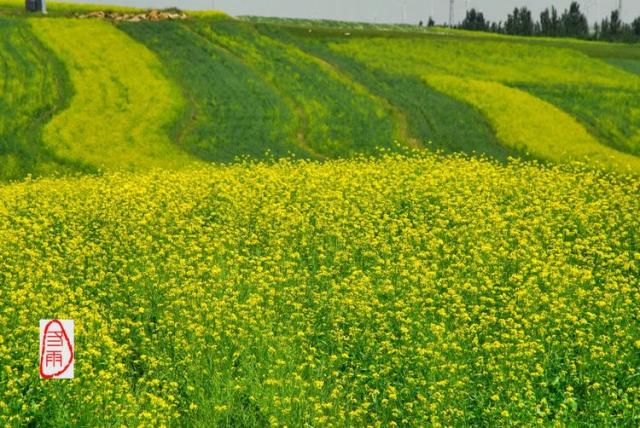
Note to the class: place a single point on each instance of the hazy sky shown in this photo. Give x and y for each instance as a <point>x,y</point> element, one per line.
<point>410,11</point>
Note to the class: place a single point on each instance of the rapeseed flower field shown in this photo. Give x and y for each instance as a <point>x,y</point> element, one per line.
<point>123,109</point>
<point>284,223</point>
<point>398,291</point>
<point>26,106</point>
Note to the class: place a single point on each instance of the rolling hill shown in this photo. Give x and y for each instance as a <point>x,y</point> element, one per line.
<point>211,88</point>
<point>264,222</point>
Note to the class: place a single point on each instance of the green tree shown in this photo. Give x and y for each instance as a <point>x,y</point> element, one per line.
<point>574,22</point>
<point>605,26</point>
<point>550,22</point>
<point>520,22</point>
<point>615,24</point>
<point>612,28</point>
<point>635,26</point>
<point>474,21</point>
<point>496,27</point>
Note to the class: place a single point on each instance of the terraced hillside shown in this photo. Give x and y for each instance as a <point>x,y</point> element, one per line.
<point>551,102</point>
<point>410,261</point>
<point>211,88</point>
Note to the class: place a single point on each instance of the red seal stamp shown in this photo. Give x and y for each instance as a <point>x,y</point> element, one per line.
<point>56,349</point>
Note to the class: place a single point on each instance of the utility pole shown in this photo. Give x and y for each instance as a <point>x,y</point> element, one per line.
<point>451,13</point>
<point>44,7</point>
<point>620,9</point>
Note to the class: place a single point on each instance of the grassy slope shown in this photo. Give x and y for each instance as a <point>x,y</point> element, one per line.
<point>608,108</point>
<point>438,60</point>
<point>123,108</point>
<point>249,94</point>
<point>323,94</point>
<point>232,111</point>
<point>335,117</point>
<point>346,292</point>
<point>426,114</point>
<point>33,87</point>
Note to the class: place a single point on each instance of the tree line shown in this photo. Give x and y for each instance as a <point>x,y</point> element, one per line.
<point>551,23</point>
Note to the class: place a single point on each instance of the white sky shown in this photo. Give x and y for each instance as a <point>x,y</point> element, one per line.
<point>410,11</point>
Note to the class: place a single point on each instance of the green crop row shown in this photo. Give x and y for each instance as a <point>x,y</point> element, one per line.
<point>426,115</point>
<point>231,111</point>
<point>335,117</point>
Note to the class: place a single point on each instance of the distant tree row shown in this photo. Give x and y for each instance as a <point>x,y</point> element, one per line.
<point>571,23</point>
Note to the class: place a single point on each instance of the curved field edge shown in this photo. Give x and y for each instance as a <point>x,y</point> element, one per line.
<point>231,110</point>
<point>335,117</point>
<point>34,86</point>
<point>422,114</point>
<point>344,292</point>
<point>461,70</point>
<point>531,125</point>
<point>123,109</point>
<point>610,114</point>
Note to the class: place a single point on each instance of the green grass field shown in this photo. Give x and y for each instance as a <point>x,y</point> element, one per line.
<point>424,114</point>
<point>262,222</point>
<point>483,75</point>
<point>300,96</point>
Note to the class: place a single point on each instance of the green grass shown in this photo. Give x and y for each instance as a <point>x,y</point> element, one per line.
<point>250,93</point>
<point>33,87</point>
<point>628,64</point>
<point>339,26</point>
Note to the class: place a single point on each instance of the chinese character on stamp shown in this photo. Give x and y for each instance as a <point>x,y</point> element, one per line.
<point>56,349</point>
